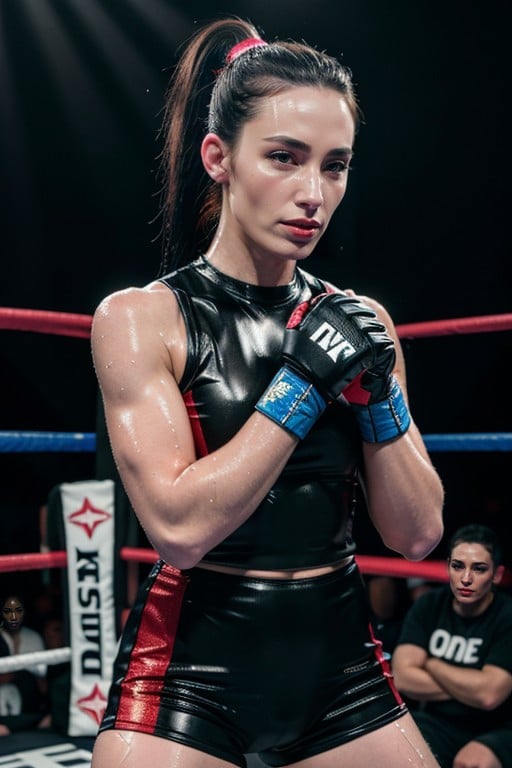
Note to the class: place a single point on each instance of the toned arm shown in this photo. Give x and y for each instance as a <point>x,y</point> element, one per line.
<point>405,493</point>
<point>411,677</point>
<point>484,688</point>
<point>185,505</point>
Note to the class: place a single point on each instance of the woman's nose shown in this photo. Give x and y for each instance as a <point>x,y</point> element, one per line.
<point>310,192</point>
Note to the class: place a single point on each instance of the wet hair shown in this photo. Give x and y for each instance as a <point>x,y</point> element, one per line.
<point>207,94</point>
<point>478,534</point>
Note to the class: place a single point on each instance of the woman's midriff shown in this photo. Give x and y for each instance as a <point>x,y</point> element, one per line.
<point>307,573</point>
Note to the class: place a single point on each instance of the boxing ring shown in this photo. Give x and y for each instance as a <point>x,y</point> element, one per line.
<point>47,750</point>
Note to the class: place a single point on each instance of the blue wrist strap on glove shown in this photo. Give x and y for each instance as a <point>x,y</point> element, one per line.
<point>292,402</point>
<point>385,420</point>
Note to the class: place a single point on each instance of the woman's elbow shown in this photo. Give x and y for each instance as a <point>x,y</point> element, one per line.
<point>488,700</point>
<point>417,546</point>
<point>182,554</point>
<point>422,546</point>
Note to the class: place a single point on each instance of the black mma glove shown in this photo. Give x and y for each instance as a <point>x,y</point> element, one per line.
<point>374,384</point>
<point>329,341</point>
<point>375,395</point>
<point>335,348</point>
<point>325,347</point>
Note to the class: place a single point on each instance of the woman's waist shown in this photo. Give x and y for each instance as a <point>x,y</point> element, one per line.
<point>284,574</point>
<point>300,527</point>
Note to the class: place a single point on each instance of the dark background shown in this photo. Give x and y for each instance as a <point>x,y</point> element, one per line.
<point>424,227</point>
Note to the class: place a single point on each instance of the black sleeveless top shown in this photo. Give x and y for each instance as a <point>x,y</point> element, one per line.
<point>235,333</point>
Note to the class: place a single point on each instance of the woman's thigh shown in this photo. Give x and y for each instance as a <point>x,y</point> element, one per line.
<point>396,745</point>
<point>131,749</point>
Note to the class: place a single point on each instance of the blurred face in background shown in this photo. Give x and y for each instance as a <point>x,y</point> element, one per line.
<point>472,576</point>
<point>13,613</point>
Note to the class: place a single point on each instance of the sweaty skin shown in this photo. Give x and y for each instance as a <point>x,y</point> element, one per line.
<point>283,168</point>
<point>281,183</point>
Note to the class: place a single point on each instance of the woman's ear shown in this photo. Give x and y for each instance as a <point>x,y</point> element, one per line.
<point>498,574</point>
<point>215,157</point>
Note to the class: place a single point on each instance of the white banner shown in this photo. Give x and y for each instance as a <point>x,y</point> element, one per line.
<point>57,756</point>
<point>88,513</point>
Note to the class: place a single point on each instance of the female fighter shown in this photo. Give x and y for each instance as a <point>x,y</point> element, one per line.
<point>249,404</point>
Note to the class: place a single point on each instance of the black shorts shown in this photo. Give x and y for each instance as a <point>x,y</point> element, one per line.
<point>233,665</point>
<point>447,737</point>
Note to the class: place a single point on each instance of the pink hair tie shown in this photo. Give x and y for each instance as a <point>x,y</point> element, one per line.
<point>245,45</point>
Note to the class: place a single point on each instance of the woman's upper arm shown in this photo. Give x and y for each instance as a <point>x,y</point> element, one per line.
<point>135,357</point>
<point>408,655</point>
<point>498,685</point>
<point>407,666</point>
<point>186,504</point>
<point>399,370</point>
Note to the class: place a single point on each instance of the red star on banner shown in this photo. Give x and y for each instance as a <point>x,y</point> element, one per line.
<point>88,517</point>
<point>93,705</point>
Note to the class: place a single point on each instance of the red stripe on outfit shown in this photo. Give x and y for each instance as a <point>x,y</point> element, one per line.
<point>386,668</point>
<point>140,691</point>
<point>195,424</point>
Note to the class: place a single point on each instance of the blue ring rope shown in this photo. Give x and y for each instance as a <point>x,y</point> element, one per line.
<point>47,442</point>
<point>85,442</point>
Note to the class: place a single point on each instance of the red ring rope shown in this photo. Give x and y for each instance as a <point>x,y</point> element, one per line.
<point>69,324</point>
<point>78,325</point>
<point>431,570</point>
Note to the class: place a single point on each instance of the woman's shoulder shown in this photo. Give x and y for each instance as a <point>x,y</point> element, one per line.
<point>132,298</point>
<point>133,330</point>
<point>433,599</point>
<point>503,600</point>
<point>377,306</point>
<point>127,307</point>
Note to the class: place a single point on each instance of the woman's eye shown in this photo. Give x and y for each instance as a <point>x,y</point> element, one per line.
<point>338,166</point>
<point>281,156</point>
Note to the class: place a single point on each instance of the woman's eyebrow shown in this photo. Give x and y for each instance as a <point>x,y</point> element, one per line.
<point>302,145</point>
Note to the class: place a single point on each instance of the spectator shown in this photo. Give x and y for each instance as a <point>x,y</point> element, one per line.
<point>454,657</point>
<point>23,692</point>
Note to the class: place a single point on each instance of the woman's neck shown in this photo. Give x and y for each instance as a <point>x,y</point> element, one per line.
<point>256,269</point>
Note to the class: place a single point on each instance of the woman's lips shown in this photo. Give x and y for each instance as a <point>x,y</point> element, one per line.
<point>303,229</point>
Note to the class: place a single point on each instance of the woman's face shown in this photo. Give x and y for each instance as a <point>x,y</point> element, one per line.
<point>288,172</point>
<point>13,614</point>
<point>472,574</point>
